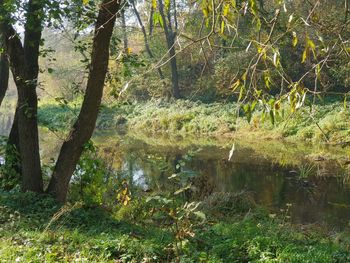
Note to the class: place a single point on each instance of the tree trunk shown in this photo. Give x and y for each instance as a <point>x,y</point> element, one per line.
<point>84,126</point>
<point>151,21</point>
<point>4,70</point>
<point>25,69</point>
<point>170,39</point>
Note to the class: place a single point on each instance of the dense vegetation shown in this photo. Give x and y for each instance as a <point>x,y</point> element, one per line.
<point>35,228</point>
<point>210,70</point>
<point>329,123</point>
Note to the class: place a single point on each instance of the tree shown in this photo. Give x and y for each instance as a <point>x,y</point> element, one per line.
<point>4,70</point>
<point>125,34</point>
<point>170,36</point>
<point>84,126</point>
<point>25,69</point>
<point>145,37</point>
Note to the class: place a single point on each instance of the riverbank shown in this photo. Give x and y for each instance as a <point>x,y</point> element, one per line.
<point>327,123</point>
<point>35,228</point>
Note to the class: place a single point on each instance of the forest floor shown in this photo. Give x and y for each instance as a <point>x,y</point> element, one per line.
<point>35,229</point>
<point>326,122</point>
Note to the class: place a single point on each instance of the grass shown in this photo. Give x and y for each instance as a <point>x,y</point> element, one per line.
<point>328,123</point>
<point>35,229</point>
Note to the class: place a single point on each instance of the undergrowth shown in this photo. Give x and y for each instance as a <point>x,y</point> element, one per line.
<point>35,229</point>
<point>327,122</point>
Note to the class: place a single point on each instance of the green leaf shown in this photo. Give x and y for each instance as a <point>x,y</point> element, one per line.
<point>157,19</point>
<point>241,93</point>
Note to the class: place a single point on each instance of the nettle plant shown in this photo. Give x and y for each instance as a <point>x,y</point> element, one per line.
<point>279,36</point>
<point>174,211</point>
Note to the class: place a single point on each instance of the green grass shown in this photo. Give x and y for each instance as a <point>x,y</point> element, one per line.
<point>32,231</point>
<point>328,123</point>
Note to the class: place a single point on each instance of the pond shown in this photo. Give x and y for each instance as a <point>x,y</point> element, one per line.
<point>316,189</point>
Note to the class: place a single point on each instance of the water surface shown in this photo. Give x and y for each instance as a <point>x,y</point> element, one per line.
<point>317,188</point>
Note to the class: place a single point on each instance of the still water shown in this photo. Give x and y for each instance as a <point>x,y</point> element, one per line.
<point>317,189</point>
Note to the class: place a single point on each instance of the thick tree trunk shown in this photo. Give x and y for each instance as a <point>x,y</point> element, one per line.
<point>84,126</point>
<point>170,39</point>
<point>25,68</point>
<point>4,70</point>
<point>28,102</point>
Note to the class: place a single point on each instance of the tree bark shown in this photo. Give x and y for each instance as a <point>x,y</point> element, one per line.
<point>25,69</point>
<point>151,21</point>
<point>84,126</point>
<point>170,39</point>
<point>4,70</point>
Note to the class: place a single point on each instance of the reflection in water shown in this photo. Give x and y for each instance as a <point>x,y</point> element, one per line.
<point>322,199</point>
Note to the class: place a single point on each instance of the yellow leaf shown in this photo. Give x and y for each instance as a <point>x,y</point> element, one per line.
<point>226,9</point>
<point>233,3</point>
<point>222,27</point>
<point>304,57</point>
<point>244,76</point>
<point>154,4</point>
<point>236,85</point>
<point>295,39</point>
<point>205,12</point>
<point>85,2</point>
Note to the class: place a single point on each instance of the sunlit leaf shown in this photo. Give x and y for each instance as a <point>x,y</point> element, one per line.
<point>154,4</point>
<point>295,39</point>
<point>200,215</point>
<point>236,85</point>
<point>222,29</point>
<point>181,190</point>
<point>304,56</point>
<point>226,9</point>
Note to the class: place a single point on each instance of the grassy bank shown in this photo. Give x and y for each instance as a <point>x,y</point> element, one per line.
<point>35,229</point>
<point>328,123</point>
